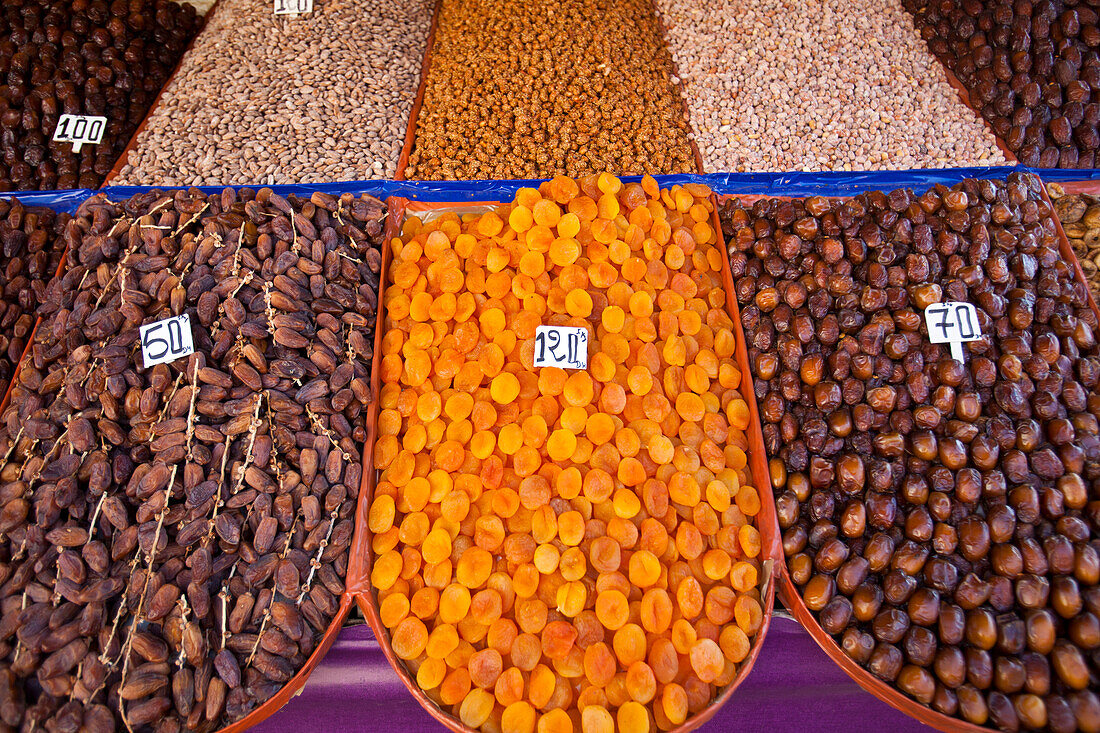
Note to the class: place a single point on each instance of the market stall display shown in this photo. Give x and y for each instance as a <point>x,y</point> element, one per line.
<point>1080,218</point>
<point>1031,70</point>
<point>86,57</point>
<point>575,547</point>
<point>773,85</point>
<point>175,537</point>
<point>549,87</point>
<point>324,96</point>
<point>936,514</point>
<point>31,243</point>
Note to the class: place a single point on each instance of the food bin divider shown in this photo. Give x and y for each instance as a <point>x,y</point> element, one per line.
<point>771,549</point>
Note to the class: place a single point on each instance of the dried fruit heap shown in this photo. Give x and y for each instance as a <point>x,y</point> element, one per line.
<point>31,244</point>
<point>104,58</point>
<point>1031,69</point>
<point>174,539</point>
<point>565,546</point>
<point>1080,217</point>
<point>939,517</point>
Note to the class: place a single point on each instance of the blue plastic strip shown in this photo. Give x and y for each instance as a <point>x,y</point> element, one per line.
<point>845,183</point>
<point>374,188</point>
<point>460,191</point>
<point>67,200</point>
<point>827,183</point>
<point>1061,175</point>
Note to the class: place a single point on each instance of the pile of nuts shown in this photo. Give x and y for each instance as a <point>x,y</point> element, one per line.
<point>574,548</point>
<point>776,85</point>
<point>81,57</point>
<point>937,516</point>
<point>1080,217</point>
<point>324,96</point>
<point>174,539</point>
<point>544,88</point>
<point>31,245</point>
<point>1031,69</point>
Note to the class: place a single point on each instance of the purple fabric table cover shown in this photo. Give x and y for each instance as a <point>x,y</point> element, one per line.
<point>794,687</point>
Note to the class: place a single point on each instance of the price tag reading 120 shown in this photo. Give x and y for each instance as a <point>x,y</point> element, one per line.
<point>952,323</point>
<point>561,346</point>
<point>165,341</point>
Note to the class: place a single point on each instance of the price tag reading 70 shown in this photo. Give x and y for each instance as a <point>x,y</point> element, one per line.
<point>561,346</point>
<point>952,323</point>
<point>165,341</point>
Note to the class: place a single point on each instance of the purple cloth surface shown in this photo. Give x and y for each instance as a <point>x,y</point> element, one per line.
<point>794,686</point>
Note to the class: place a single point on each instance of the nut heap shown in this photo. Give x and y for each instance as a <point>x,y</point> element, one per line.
<point>175,538</point>
<point>573,549</point>
<point>275,99</point>
<point>1080,217</point>
<point>936,515</point>
<point>549,87</point>
<point>31,245</point>
<point>1031,69</point>
<point>81,57</point>
<point>775,85</point>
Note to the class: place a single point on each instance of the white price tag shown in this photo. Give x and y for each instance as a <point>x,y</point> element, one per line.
<point>293,7</point>
<point>165,341</point>
<point>80,130</point>
<point>561,346</point>
<point>952,323</point>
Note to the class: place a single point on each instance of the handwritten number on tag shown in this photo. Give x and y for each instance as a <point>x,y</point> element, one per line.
<point>165,341</point>
<point>561,346</point>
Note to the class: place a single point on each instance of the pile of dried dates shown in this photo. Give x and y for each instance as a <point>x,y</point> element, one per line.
<point>1031,69</point>
<point>31,246</point>
<point>80,57</point>
<point>939,517</point>
<point>174,540</point>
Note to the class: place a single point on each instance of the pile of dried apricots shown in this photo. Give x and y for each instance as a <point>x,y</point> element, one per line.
<point>565,550</point>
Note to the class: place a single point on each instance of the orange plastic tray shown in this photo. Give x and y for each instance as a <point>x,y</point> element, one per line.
<point>360,544</point>
<point>771,546</point>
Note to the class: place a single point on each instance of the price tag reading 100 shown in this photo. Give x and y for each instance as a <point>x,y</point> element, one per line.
<point>561,346</point>
<point>952,323</point>
<point>80,130</point>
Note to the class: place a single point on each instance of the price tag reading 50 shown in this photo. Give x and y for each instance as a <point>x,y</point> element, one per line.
<point>952,323</point>
<point>561,346</point>
<point>165,341</point>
